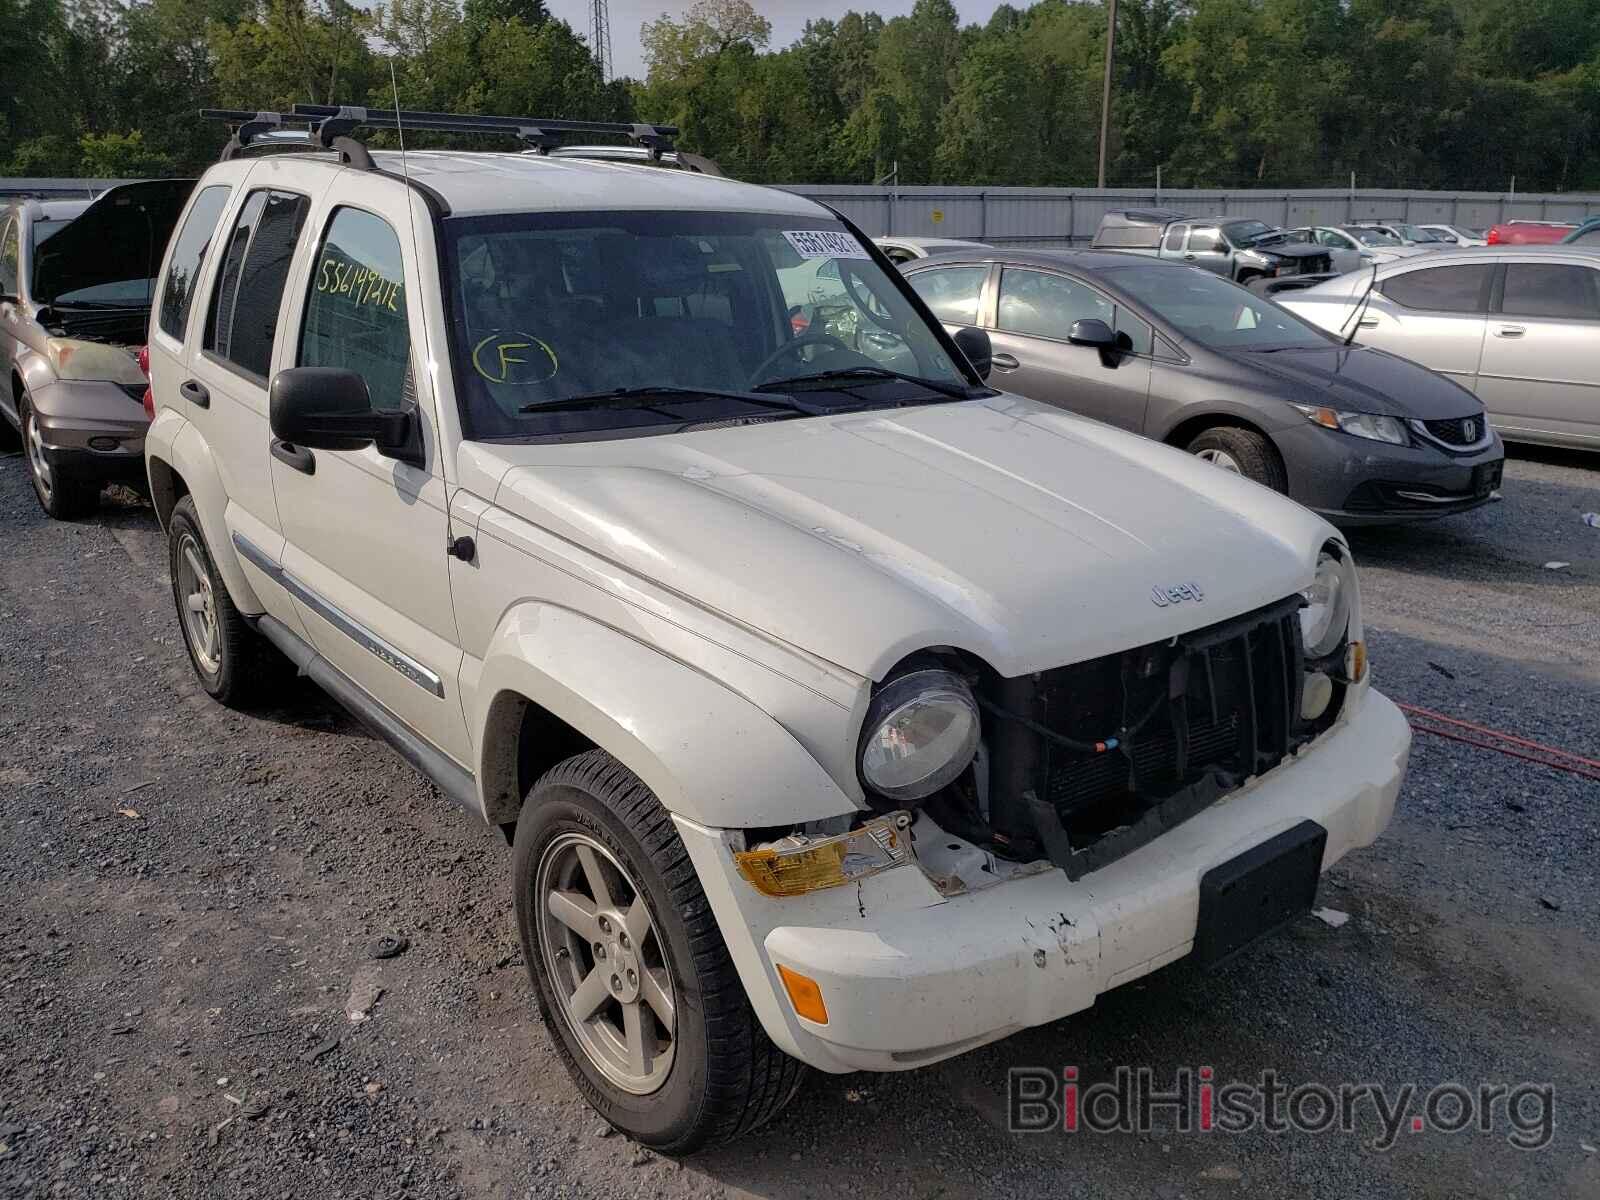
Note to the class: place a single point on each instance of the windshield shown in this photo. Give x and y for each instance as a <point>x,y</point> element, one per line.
<point>1247,233</point>
<point>44,229</point>
<point>1373,237</point>
<point>1415,233</point>
<point>1214,312</point>
<point>561,309</point>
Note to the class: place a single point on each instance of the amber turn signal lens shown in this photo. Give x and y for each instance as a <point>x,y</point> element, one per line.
<point>804,994</point>
<point>1356,667</point>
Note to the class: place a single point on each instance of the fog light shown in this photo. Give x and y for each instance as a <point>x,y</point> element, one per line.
<point>804,994</point>
<point>103,443</point>
<point>1315,695</point>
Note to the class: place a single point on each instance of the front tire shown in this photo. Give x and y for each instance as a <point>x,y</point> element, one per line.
<point>234,663</point>
<point>62,495</point>
<point>1243,452</point>
<point>633,979</point>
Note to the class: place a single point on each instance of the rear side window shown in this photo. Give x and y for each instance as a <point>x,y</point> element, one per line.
<point>1175,238</point>
<point>188,257</point>
<point>356,309</point>
<point>243,320</point>
<point>951,292</point>
<point>1550,290</point>
<point>1442,289</point>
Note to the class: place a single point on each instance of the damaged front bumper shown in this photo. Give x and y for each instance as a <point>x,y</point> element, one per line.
<point>911,973</point>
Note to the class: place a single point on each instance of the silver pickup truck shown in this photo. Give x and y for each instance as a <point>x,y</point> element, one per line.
<point>1239,248</point>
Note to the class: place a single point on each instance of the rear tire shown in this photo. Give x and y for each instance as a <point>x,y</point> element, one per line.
<point>234,663</point>
<point>1244,452</point>
<point>722,1076</point>
<point>61,494</point>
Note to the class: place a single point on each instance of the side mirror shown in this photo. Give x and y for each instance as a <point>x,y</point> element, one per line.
<point>1092,331</point>
<point>975,344</point>
<point>328,408</point>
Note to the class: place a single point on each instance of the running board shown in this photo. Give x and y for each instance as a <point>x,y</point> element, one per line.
<point>457,785</point>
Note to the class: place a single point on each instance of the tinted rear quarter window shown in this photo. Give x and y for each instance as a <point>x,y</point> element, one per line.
<point>188,257</point>
<point>8,256</point>
<point>951,292</point>
<point>1551,290</point>
<point>243,320</point>
<point>1458,289</point>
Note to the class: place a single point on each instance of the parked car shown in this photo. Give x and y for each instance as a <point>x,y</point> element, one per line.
<point>1518,325</point>
<point>74,302</point>
<point>1587,234</point>
<point>1457,235</point>
<point>1353,247</point>
<point>1238,248</point>
<point>1182,357</point>
<point>1406,234</point>
<point>905,249</point>
<point>838,715</point>
<point>1527,233</point>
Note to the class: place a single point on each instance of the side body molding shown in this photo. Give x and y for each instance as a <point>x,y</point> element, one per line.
<point>705,751</point>
<point>176,442</point>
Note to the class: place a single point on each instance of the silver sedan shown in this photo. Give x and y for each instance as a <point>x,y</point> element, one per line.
<point>1518,325</point>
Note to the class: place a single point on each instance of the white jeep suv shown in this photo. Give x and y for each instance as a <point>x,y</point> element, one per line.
<point>840,710</point>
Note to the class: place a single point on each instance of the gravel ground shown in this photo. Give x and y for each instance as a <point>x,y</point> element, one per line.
<point>191,898</point>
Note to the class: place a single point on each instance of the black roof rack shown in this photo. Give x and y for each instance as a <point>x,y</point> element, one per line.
<point>330,127</point>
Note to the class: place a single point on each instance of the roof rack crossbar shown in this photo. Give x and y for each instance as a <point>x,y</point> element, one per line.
<point>332,127</point>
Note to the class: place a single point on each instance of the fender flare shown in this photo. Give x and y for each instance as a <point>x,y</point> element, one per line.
<point>174,442</point>
<point>706,752</point>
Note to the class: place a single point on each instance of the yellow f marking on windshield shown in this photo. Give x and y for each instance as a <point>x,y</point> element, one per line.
<point>506,364</point>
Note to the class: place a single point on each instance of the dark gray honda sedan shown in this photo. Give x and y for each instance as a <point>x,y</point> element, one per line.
<point>1177,354</point>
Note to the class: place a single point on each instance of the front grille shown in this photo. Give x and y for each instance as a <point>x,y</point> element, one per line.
<point>1181,725</point>
<point>1457,431</point>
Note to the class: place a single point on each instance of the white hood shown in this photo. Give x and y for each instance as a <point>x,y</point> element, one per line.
<point>1021,534</point>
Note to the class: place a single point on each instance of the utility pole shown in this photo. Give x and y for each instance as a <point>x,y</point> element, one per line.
<point>1105,96</point>
<point>600,37</point>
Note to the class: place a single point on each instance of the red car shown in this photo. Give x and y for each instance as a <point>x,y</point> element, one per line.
<point>1528,233</point>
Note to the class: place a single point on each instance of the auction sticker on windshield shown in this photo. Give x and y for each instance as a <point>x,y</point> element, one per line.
<point>824,243</point>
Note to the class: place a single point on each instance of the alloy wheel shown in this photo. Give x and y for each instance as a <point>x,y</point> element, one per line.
<point>199,609</point>
<point>38,460</point>
<point>606,962</point>
<point>1220,458</point>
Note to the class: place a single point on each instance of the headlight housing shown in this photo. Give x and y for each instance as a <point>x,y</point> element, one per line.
<point>1325,619</point>
<point>1362,425</point>
<point>921,731</point>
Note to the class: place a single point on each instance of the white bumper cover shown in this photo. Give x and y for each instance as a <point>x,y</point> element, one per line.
<point>910,977</point>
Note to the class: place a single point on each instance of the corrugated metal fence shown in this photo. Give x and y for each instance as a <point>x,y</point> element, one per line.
<point>1064,216</point>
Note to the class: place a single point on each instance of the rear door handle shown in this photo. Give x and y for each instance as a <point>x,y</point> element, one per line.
<point>195,393</point>
<point>298,457</point>
<point>1006,362</point>
<point>1510,331</point>
<point>1189,257</point>
<point>1367,323</point>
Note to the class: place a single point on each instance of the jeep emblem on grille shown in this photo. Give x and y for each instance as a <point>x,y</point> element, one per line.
<point>1176,594</point>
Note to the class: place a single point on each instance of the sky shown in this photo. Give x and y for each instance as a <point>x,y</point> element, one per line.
<point>787,16</point>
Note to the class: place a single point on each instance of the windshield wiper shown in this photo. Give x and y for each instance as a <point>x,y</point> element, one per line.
<point>954,391</point>
<point>641,397</point>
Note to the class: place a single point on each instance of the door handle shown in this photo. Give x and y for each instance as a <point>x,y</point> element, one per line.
<point>1510,331</point>
<point>298,457</point>
<point>1189,257</point>
<point>1367,323</point>
<point>1006,362</point>
<point>195,393</point>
